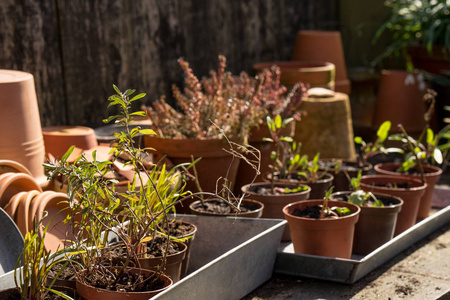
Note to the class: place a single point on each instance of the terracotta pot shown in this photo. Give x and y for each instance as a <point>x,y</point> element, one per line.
<point>215,162</point>
<point>22,216</point>
<point>91,293</point>
<point>273,204</point>
<point>58,139</point>
<point>20,124</point>
<point>13,183</point>
<point>376,225</point>
<point>432,175</point>
<point>327,128</point>
<point>316,74</point>
<point>325,237</point>
<point>438,62</point>
<point>10,166</point>
<point>57,207</point>
<point>400,102</point>
<point>172,266</point>
<point>319,187</point>
<point>411,195</point>
<point>255,212</point>
<point>11,207</point>
<point>347,168</point>
<point>316,45</point>
<point>187,239</point>
<point>246,174</point>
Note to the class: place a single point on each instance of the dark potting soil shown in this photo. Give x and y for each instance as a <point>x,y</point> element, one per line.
<point>386,200</point>
<point>178,229</point>
<point>221,207</point>
<point>68,273</point>
<point>397,186</point>
<point>129,281</point>
<point>344,165</point>
<point>312,212</point>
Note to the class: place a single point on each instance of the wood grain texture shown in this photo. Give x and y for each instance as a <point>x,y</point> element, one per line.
<point>78,49</point>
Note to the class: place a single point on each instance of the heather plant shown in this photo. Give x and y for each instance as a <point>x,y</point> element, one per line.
<point>222,104</point>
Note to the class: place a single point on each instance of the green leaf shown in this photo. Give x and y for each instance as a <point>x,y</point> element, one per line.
<point>67,154</point>
<point>383,131</point>
<point>358,140</point>
<point>117,89</point>
<point>139,113</point>
<point>287,121</point>
<point>278,121</point>
<point>137,97</point>
<point>147,131</point>
<point>430,136</point>
<point>437,155</point>
<point>110,118</point>
<point>267,140</point>
<point>287,139</point>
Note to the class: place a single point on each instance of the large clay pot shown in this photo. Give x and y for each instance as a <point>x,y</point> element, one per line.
<point>215,163</point>
<point>327,127</point>
<point>13,183</point>
<point>376,225</point>
<point>88,292</point>
<point>325,237</point>
<point>411,194</point>
<point>172,266</point>
<point>400,101</point>
<point>318,45</point>
<point>256,208</point>
<point>432,175</point>
<point>273,204</point>
<point>314,74</point>
<point>58,139</point>
<point>20,124</point>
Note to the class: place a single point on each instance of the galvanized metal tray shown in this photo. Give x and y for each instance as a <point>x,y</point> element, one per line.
<point>351,270</point>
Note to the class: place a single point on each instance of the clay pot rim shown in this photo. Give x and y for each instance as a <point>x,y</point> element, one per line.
<point>190,234</point>
<point>15,165</point>
<point>436,170</point>
<point>404,179</point>
<point>398,199</point>
<point>242,214</point>
<point>7,179</point>
<point>20,76</point>
<point>11,207</point>
<point>24,205</point>
<point>247,188</point>
<point>295,66</point>
<point>315,202</point>
<point>138,270</point>
<point>66,131</point>
<point>318,32</point>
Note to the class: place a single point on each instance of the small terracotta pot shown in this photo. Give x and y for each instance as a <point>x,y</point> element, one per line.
<point>411,195</point>
<point>92,293</point>
<point>325,237</point>
<point>22,216</point>
<point>432,175</point>
<point>318,45</point>
<point>376,225</point>
<point>318,187</point>
<point>58,139</point>
<point>316,74</point>
<point>11,207</point>
<point>13,183</point>
<point>273,204</point>
<point>172,265</point>
<point>196,209</point>
<point>215,162</point>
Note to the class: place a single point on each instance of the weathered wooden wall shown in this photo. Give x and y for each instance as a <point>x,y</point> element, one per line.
<point>78,49</point>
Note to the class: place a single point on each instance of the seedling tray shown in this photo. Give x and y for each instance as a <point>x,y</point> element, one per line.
<point>351,270</point>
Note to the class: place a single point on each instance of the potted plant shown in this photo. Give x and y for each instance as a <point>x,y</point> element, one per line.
<point>275,194</point>
<point>377,218</point>
<point>322,227</point>
<point>134,216</point>
<point>289,165</point>
<point>213,112</point>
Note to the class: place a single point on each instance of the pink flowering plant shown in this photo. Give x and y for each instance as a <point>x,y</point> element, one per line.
<point>223,105</point>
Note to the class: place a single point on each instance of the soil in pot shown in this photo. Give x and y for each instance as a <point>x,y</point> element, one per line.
<point>217,207</point>
<point>274,202</point>
<point>376,225</point>
<point>318,187</point>
<point>14,294</point>
<point>329,236</point>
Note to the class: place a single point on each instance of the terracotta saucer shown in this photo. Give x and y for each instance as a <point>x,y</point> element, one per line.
<point>12,205</point>
<point>23,210</point>
<point>57,207</point>
<point>10,166</point>
<point>13,183</point>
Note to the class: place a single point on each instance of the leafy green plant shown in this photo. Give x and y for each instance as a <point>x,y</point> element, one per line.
<point>34,264</point>
<point>360,197</point>
<point>425,23</point>
<point>369,148</point>
<point>332,212</point>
